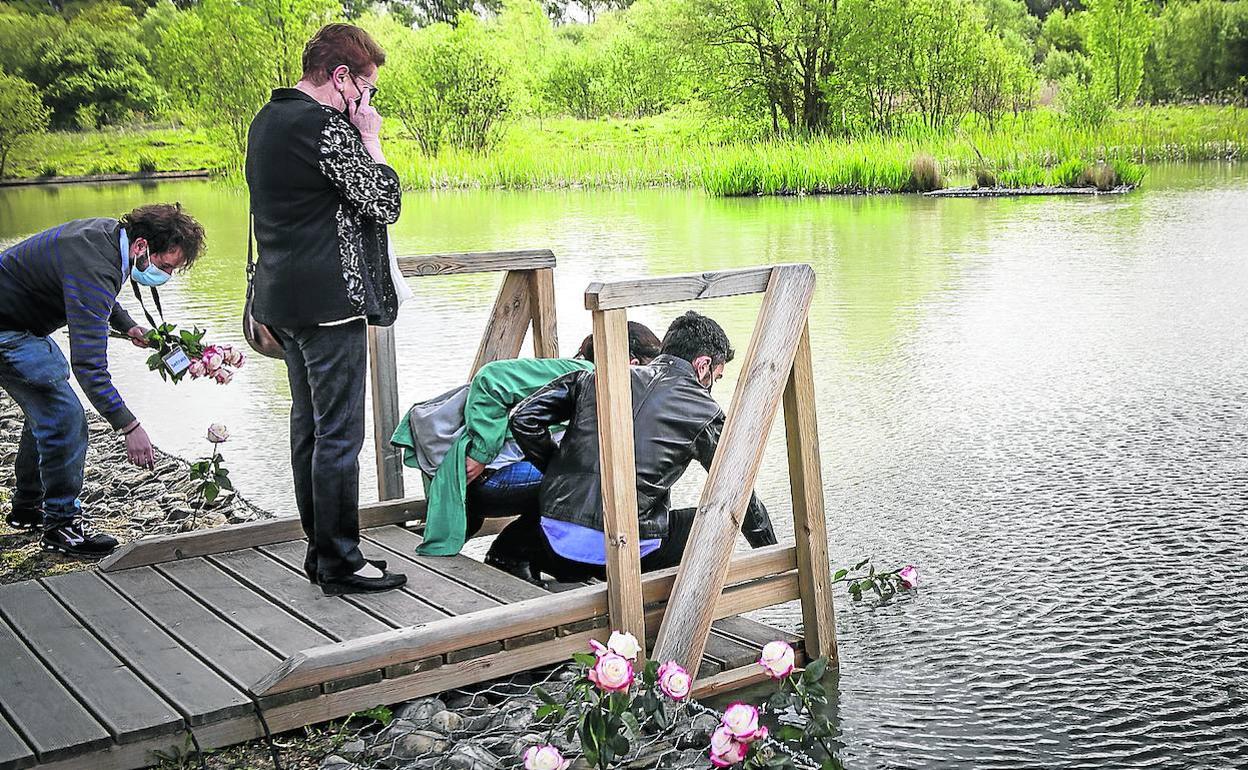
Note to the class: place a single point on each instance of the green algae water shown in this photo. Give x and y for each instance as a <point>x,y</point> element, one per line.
<point>1041,402</point>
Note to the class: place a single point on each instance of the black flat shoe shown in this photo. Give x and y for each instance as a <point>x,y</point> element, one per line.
<point>378,563</point>
<point>354,584</point>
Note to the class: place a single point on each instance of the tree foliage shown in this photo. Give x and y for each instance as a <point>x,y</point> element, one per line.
<point>1118,35</point>
<point>22,112</point>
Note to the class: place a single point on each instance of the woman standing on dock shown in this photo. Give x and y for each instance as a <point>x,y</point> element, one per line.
<point>321,198</point>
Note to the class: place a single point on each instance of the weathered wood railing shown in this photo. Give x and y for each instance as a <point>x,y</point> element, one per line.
<point>776,370</point>
<point>525,298</point>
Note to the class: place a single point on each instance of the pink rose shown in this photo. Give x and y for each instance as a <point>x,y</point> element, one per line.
<point>223,376</point>
<point>197,369</point>
<point>741,719</point>
<point>726,750</point>
<point>212,358</point>
<point>231,355</point>
<point>624,644</point>
<point>777,659</point>
<point>544,757</point>
<point>612,673</point>
<point>674,680</point>
<point>598,647</point>
<point>239,359</point>
<point>218,433</point>
<point>909,576</point>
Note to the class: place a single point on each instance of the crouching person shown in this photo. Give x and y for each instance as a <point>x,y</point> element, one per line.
<point>675,421</point>
<point>70,276</point>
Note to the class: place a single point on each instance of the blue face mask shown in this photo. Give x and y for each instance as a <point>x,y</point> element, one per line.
<point>151,276</point>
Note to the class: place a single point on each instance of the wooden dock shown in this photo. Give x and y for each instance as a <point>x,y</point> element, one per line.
<point>102,669</point>
<point>216,637</point>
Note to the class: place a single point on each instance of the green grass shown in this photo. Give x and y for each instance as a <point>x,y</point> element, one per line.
<point>682,149</point>
<point>114,151</point>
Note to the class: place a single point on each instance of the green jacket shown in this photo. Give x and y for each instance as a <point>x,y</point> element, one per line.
<point>496,389</point>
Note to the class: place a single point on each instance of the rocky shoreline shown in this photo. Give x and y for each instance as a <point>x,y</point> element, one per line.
<point>117,498</point>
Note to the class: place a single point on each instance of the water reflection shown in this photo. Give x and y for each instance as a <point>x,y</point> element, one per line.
<point>1039,402</point>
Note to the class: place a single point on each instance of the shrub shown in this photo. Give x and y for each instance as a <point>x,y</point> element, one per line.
<point>984,177</point>
<point>924,174</point>
<point>48,170</point>
<point>147,164</point>
<point>1067,173</point>
<point>1100,175</point>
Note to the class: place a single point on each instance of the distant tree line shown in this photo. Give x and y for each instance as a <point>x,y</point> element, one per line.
<point>460,70</point>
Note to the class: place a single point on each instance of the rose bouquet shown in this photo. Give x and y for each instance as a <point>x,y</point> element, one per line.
<point>181,352</point>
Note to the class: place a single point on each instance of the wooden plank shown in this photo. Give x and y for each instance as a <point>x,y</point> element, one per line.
<point>250,612</point>
<point>617,467</point>
<point>509,322</point>
<point>677,288</point>
<point>475,262</point>
<point>754,634</point>
<point>198,692</point>
<point>810,528</point>
<point>406,644</point>
<point>14,753</point>
<point>545,330</point>
<point>163,548</point>
<point>39,706</point>
<point>384,381</point>
<point>122,702</point>
<point>399,607</point>
<point>229,651</point>
<point>469,572</point>
<point>730,482</point>
<point>290,589</point>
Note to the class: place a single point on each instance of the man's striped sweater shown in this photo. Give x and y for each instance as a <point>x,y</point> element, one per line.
<point>71,274</point>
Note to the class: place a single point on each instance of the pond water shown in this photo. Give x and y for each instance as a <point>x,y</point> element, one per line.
<point>1040,402</point>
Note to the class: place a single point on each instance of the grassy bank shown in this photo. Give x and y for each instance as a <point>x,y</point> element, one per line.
<point>1037,148</point>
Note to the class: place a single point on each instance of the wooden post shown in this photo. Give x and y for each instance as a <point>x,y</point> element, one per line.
<point>780,325</point>
<point>509,321</point>
<point>542,300</point>
<point>383,368</point>
<point>617,464</point>
<point>809,526</point>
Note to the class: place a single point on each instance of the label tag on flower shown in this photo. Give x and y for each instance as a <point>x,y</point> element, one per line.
<point>176,361</point>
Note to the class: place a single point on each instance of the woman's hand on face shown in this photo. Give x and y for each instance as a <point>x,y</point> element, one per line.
<point>366,118</point>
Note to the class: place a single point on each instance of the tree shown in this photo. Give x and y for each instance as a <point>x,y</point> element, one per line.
<point>873,51</point>
<point>946,38</point>
<point>22,35</point>
<point>773,54</point>
<point>96,72</point>
<point>221,59</point>
<point>22,112</point>
<point>1118,35</point>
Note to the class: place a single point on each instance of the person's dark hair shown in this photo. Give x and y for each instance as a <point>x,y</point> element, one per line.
<point>643,344</point>
<point>693,335</point>
<point>336,44</point>
<point>166,225</point>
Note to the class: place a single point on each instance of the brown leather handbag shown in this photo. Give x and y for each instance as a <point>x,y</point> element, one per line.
<point>259,336</point>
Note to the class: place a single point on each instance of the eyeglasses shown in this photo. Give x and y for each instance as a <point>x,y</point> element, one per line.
<point>372,88</point>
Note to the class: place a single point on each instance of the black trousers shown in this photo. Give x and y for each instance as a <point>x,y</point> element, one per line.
<point>524,540</point>
<point>327,369</point>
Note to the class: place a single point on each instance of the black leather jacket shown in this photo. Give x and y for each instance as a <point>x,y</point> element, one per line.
<point>675,420</point>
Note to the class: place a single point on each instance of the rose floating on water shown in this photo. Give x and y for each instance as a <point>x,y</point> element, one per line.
<point>909,576</point>
<point>545,757</point>
<point>777,659</point>
<point>674,680</point>
<point>612,673</point>
<point>218,433</point>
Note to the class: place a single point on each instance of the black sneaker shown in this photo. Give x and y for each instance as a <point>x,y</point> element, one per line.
<point>354,584</point>
<point>24,518</point>
<point>74,539</point>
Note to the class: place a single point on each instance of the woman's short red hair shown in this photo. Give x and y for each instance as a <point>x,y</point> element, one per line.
<point>336,44</point>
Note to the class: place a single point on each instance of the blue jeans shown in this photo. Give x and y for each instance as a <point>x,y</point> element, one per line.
<point>53,447</point>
